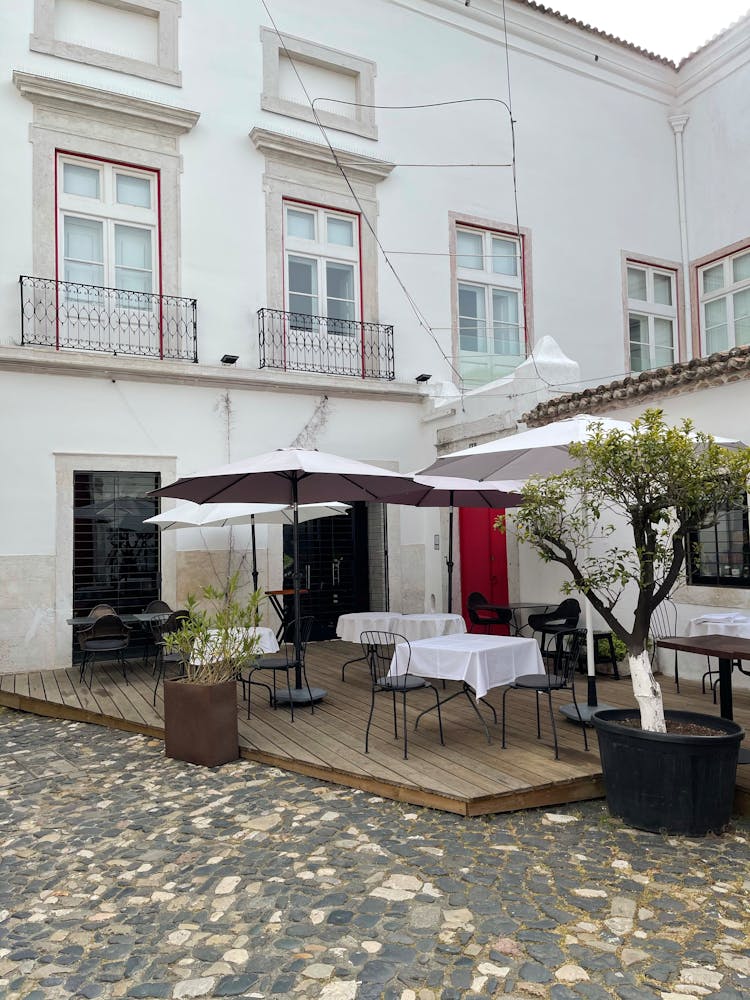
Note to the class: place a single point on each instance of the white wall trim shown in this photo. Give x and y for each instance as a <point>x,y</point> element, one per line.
<point>358,120</point>
<point>317,156</point>
<point>164,70</point>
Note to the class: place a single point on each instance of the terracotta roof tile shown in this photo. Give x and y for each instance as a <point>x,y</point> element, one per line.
<point>717,369</point>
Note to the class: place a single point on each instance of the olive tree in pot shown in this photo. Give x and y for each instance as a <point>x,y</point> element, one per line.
<point>215,643</point>
<point>663,483</point>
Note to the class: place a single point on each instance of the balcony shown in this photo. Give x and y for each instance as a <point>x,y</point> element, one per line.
<point>303,343</point>
<point>65,314</point>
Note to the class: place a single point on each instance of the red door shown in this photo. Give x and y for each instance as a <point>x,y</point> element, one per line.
<point>484,562</point>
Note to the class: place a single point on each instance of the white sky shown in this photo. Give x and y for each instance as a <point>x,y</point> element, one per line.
<point>671,28</point>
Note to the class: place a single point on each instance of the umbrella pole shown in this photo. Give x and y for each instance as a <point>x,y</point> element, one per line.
<point>299,695</point>
<point>449,562</point>
<point>297,578</point>
<point>255,560</point>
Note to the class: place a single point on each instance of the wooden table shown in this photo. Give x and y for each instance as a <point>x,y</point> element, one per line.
<point>725,647</point>
<point>273,596</point>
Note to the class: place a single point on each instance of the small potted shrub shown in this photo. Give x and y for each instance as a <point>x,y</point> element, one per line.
<point>216,642</point>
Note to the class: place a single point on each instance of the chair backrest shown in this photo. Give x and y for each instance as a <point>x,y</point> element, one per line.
<point>157,607</point>
<point>306,627</point>
<point>380,648</point>
<point>107,627</point>
<point>173,622</point>
<point>100,610</point>
<point>664,619</point>
<point>567,648</point>
<point>475,598</point>
<point>564,616</point>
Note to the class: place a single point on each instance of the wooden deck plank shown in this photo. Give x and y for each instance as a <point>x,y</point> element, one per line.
<point>467,776</point>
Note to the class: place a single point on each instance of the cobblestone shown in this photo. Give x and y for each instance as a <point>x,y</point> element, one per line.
<point>124,874</point>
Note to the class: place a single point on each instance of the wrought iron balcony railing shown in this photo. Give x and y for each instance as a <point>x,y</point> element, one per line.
<point>300,342</point>
<point>64,314</point>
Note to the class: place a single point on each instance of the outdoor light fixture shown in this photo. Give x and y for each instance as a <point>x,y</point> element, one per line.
<point>229,359</point>
<point>423,378</point>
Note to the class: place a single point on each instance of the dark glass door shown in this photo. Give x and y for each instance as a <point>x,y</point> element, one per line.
<point>115,555</point>
<point>335,567</point>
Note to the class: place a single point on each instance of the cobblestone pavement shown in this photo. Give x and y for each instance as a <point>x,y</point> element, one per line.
<point>123,874</point>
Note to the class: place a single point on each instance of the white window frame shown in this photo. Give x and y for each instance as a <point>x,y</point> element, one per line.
<point>489,280</point>
<point>107,210</point>
<point>727,292</point>
<point>652,310</point>
<point>319,250</point>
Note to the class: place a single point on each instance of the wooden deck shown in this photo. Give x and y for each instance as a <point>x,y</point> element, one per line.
<point>466,776</point>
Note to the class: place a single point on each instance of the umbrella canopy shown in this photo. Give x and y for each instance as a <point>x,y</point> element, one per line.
<point>220,515</point>
<point>442,491</point>
<point>542,451</point>
<point>290,476</point>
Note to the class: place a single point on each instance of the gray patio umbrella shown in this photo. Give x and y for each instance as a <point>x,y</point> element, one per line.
<point>221,515</point>
<point>291,476</point>
<point>442,491</point>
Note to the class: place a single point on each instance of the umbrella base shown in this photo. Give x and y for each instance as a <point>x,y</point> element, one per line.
<point>569,711</point>
<point>300,696</point>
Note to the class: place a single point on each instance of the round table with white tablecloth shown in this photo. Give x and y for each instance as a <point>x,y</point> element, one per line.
<point>731,623</point>
<point>419,626</point>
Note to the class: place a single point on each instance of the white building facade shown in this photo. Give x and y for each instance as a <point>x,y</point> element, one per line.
<point>332,196</point>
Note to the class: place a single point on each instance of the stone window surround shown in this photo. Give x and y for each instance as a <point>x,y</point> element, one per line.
<point>459,220</point>
<point>715,257</point>
<point>627,257</point>
<point>357,120</point>
<point>304,171</point>
<point>66,463</point>
<point>166,12</point>
<point>84,121</point>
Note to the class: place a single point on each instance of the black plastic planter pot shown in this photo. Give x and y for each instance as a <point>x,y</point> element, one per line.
<point>669,783</point>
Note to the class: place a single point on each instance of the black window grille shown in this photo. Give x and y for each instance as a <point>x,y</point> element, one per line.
<point>719,555</point>
<point>115,555</point>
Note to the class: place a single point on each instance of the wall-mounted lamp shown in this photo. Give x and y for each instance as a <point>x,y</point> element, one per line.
<point>423,378</point>
<point>229,359</point>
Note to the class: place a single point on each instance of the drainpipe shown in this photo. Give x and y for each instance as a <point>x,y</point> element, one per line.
<point>678,123</point>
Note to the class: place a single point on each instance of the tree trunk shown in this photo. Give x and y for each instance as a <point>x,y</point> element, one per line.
<point>647,693</point>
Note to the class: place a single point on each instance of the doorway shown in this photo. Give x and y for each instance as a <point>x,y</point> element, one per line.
<point>484,557</point>
<point>337,566</point>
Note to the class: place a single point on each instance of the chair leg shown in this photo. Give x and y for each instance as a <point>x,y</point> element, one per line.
<point>403,710</point>
<point>538,721</point>
<point>289,691</point>
<point>708,673</point>
<point>676,673</point>
<point>307,685</point>
<point>505,694</point>
<point>395,720</point>
<point>369,721</point>
<point>554,727</point>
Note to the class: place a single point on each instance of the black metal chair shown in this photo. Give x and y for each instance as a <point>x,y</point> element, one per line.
<point>379,649</point>
<point>664,623</point>
<point>559,676</point>
<point>153,608</point>
<point>165,658</point>
<point>484,614</point>
<point>284,661</point>
<point>100,610</point>
<point>563,618</point>
<point>106,636</point>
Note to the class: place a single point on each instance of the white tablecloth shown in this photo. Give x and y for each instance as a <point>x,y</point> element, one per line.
<point>267,644</point>
<point>720,624</point>
<point>482,661</point>
<point>350,627</point>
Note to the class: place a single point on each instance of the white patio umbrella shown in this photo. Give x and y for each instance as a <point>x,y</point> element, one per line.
<point>542,451</point>
<point>220,515</point>
<point>443,491</point>
<point>290,476</point>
